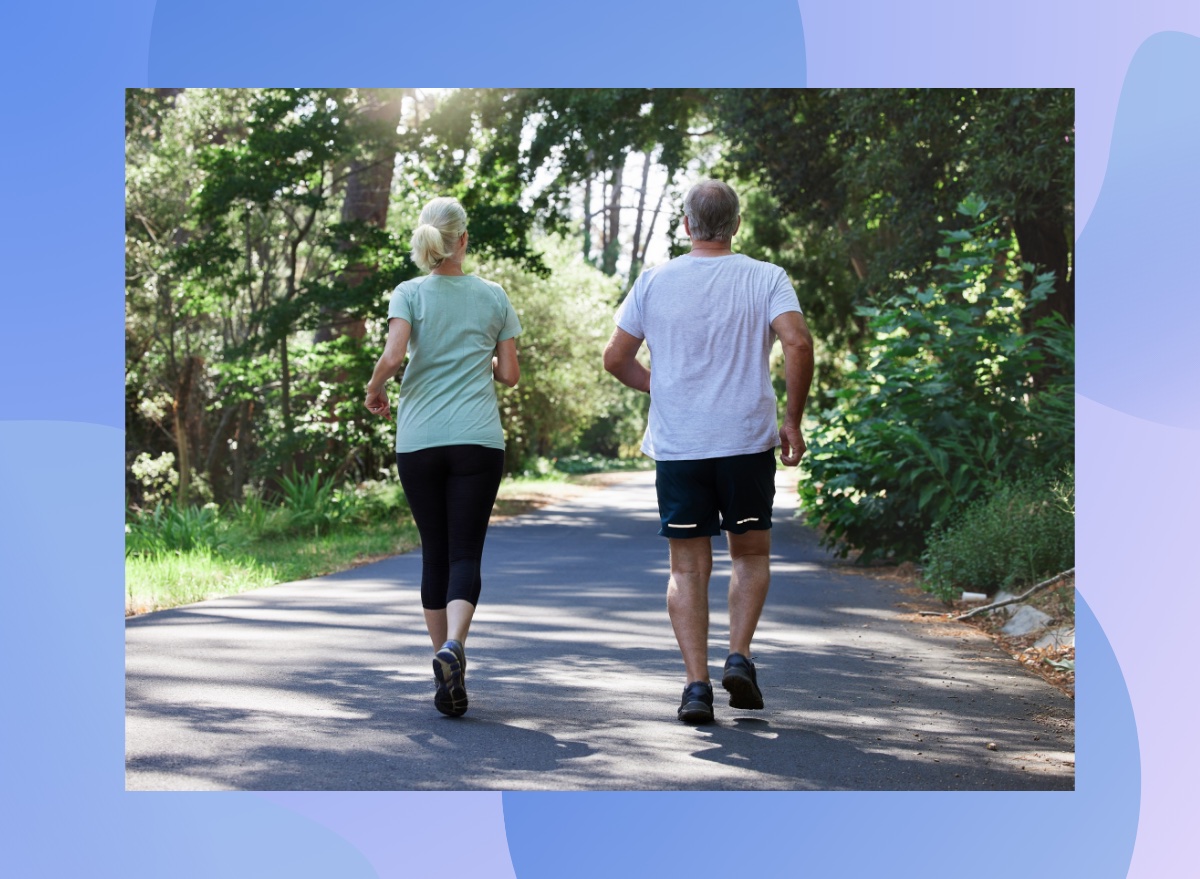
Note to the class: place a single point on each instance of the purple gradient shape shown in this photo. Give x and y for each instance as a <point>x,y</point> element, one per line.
<point>1138,281</point>
<point>432,833</point>
<point>1143,592</point>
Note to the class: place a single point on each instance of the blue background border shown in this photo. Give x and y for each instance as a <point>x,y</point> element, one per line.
<point>61,418</point>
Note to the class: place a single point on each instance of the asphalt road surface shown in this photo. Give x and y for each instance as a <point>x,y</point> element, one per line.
<point>574,678</point>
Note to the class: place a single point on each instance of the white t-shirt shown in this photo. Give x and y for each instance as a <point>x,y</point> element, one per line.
<point>707,323</point>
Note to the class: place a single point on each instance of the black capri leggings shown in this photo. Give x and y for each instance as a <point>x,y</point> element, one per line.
<point>451,490</point>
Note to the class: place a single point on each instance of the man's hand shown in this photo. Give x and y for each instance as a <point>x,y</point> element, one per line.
<point>377,402</point>
<point>792,445</point>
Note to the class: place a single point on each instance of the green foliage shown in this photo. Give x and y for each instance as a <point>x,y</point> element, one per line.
<point>857,184</point>
<point>580,464</point>
<point>944,406</point>
<point>306,506</point>
<point>566,321</point>
<point>1017,535</point>
<point>172,529</point>
<point>309,501</point>
<point>239,255</point>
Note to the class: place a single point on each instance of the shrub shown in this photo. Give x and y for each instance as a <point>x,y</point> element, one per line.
<point>564,398</point>
<point>580,464</point>
<point>157,477</point>
<point>172,529</point>
<point>1019,534</point>
<point>952,397</point>
<point>371,501</point>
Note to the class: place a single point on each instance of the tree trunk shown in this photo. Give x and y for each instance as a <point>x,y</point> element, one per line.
<point>368,193</point>
<point>587,220</point>
<point>653,221</point>
<point>1043,241</point>
<point>285,386</point>
<point>182,410</point>
<point>241,438</point>
<point>857,262</point>
<point>612,247</point>
<point>635,264</point>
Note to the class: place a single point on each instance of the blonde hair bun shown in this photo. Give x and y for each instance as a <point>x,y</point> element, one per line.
<point>442,223</point>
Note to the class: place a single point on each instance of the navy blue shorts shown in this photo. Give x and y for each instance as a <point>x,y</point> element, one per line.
<point>704,497</point>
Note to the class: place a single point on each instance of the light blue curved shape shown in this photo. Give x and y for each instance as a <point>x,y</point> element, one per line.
<point>625,43</point>
<point>230,834</point>
<point>930,834</point>
<point>62,644</point>
<point>1138,290</point>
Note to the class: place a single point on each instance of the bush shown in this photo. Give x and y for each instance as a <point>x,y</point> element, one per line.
<point>578,465</point>
<point>311,504</point>
<point>1021,533</point>
<point>564,398</point>
<point>372,501</point>
<point>309,501</point>
<point>172,529</point>
<point>953,397</point>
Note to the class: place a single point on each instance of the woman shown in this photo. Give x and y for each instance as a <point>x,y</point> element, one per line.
<point>460,332</point>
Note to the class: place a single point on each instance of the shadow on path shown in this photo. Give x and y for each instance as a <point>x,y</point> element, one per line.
<point>574,678</point>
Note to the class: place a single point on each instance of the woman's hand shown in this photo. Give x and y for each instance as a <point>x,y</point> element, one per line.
<point>377,402</point>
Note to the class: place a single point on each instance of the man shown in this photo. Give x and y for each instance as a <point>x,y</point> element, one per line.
<point>709,319</point>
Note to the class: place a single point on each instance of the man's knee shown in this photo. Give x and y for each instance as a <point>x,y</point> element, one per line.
<point>691,555</point>
<point>751,543</point>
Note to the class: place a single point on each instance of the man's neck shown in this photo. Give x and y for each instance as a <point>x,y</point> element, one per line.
<point>711,248</point>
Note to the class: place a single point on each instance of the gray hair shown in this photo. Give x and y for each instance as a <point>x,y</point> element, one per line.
<point>442,223</point>
<point>711,208</point>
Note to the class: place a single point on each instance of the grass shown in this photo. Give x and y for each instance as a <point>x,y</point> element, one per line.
<point>180,556</point>
<point>170,578</point>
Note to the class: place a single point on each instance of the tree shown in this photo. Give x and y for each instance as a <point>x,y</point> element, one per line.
<point>566,319</point>
<point>864,181</point>
<point>368,182</point>
<point>941,407</point>
<point>250,185</point>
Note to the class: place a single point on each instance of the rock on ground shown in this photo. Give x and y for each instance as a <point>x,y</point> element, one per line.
<point>1024,621</point>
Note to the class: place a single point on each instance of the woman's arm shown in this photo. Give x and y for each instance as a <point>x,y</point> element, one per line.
<point>505,368</point>
<point>388,365</point>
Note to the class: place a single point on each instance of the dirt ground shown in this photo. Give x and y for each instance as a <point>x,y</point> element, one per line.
<point>1055,665</point>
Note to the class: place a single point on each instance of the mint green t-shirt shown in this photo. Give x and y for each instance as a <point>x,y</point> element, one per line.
<point>448,395</point>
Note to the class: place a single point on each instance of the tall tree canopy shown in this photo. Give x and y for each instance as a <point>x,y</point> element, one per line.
<point>267,227</point>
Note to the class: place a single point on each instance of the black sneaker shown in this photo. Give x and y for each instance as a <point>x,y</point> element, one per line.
<point>741,681</point>
<point>449,668</point>
<point>697,703</point>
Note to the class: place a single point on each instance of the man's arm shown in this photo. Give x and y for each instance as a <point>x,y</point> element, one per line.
<point>793,332</point>
<point>620,358</point>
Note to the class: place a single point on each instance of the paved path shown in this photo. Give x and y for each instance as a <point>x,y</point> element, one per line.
<point>574,678</point>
